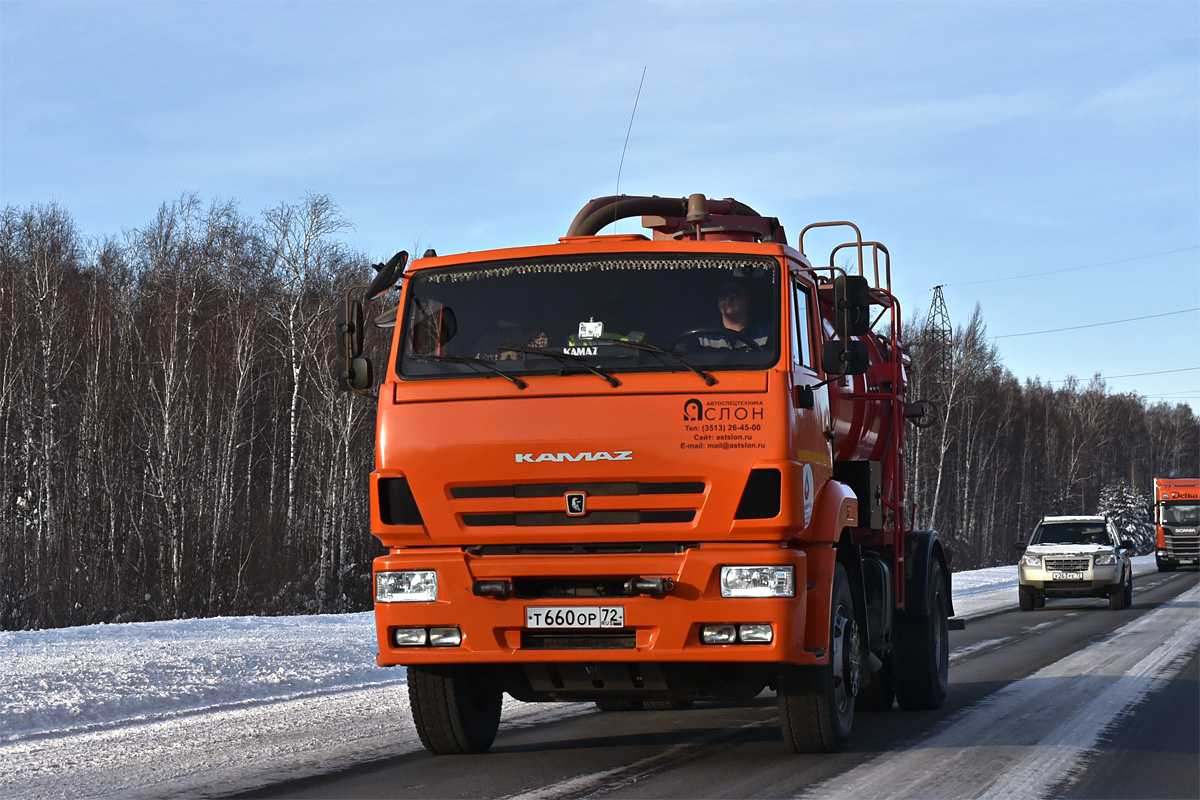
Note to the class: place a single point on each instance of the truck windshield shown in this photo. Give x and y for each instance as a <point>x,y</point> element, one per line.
<point>606,313</point>
<point>1181,513</point>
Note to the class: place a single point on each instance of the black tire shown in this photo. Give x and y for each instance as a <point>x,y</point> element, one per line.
<point>921,655</point>
<point>1129,590</point>
<point>1116,600</point>
<point>880,694</point>
<point>619,705</point>
<point>669,705</point>
<point>1027,600</point>
<point>816,703</point>
<point>456,710</point>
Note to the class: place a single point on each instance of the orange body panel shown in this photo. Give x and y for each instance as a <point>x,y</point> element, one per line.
<point>454,441</point>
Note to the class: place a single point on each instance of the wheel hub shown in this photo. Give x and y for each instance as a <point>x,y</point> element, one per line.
<point>846,658</point>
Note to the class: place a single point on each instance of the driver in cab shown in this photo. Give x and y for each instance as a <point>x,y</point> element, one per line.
<point>737,327</point>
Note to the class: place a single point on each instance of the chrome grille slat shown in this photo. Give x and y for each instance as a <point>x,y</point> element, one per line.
<point>1068,563</point>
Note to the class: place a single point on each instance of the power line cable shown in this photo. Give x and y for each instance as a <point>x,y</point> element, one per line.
<point>1076,269</point>
<point>1097,324</point>
<point>1137,374</point>
<point>1057,271</point>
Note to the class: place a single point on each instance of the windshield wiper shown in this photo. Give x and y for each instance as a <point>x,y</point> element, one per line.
<point>566,358</point>
<point>483,362</point>
<point>650,348</point>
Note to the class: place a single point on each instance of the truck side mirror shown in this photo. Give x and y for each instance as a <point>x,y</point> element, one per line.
<point>851,305</point>
<point>356,371</point>
<point>351,328</point>
<point>847,357</point>
<point>389,273</point>
<point>1020,546</point>
<point>356,375</point>
<point>388,318</point>
<point>448,326</point>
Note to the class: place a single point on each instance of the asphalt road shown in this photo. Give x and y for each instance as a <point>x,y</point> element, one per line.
<point>1073,700</point>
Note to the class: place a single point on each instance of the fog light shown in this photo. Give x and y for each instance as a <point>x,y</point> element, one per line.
<point>755,633</point>
<point>445,637</point>
<point>409,637</point>
<point>718,634</point>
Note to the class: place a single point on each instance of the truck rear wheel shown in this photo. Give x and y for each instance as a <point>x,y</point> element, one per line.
<point>816,704</point>
<point>456,710</point>
<point>921,659</point>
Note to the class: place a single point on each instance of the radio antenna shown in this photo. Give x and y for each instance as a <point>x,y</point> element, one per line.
<point>621,165</point>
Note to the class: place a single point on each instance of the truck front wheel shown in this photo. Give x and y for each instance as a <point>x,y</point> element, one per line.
<point>816,703</point>
<point>921,657</point>
<point>456,710</point>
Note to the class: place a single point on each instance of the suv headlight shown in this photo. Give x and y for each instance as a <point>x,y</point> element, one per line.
<point>766,581</point>
<point>1105,560</point>
<point>413,586</point>
<point>1031,561</point>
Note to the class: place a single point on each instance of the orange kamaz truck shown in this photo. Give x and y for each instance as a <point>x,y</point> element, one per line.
<point>1176,522</point>
<point>643,470</point>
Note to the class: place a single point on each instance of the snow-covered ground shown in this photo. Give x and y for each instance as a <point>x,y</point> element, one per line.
<point>211,706</point>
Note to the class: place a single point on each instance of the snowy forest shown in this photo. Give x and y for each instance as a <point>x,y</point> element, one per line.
<point>173,442</point>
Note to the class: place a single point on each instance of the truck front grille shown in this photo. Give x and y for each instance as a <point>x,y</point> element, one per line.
<point>609,489</point>
<point>1182,544</point>
<point>509,505</point>
<point>547,518</point>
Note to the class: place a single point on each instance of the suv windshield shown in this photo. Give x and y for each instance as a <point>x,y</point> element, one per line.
<point>1071,533</point>
<point>1181,513</point>
<point>606,313</point>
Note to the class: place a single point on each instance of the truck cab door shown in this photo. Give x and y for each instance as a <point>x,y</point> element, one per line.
<point>810,416</point>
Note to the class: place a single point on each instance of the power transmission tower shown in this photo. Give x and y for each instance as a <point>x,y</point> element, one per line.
<point>938,333</point>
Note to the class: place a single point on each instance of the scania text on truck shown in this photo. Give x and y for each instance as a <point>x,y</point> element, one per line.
<point>646,470</point>
<point>1176,522</point>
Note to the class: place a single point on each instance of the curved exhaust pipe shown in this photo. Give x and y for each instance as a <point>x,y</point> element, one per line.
<point>602,211</point>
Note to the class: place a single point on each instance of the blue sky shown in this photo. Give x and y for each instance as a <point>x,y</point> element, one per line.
<point>1041,159</point>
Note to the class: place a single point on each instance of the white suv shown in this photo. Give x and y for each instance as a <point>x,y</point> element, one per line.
<point>1075,557</point>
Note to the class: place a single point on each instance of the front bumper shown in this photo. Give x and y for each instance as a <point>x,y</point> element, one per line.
<point>1095,581</point>
<point>664,628</point>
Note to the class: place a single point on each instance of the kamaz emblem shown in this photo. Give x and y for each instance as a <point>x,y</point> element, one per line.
<point>576,504</point>
<point>558,458</point>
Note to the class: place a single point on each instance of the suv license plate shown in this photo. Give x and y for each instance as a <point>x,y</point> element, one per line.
<point>575,617</point>
<point>1066,576</point>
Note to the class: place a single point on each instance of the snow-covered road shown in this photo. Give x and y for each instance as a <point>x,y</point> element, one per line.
<point>204,707</point>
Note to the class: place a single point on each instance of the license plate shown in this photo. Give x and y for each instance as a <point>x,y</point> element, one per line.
<point>1066,576</point>
<point>575,617</point>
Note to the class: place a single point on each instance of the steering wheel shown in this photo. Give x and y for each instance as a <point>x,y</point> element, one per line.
<point>722,332</point>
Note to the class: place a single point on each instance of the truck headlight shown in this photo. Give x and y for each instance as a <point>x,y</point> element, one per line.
<point>1031,561</point>
<point>1105,560</point>
<point>766,581</point>
<point>412,586</point>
